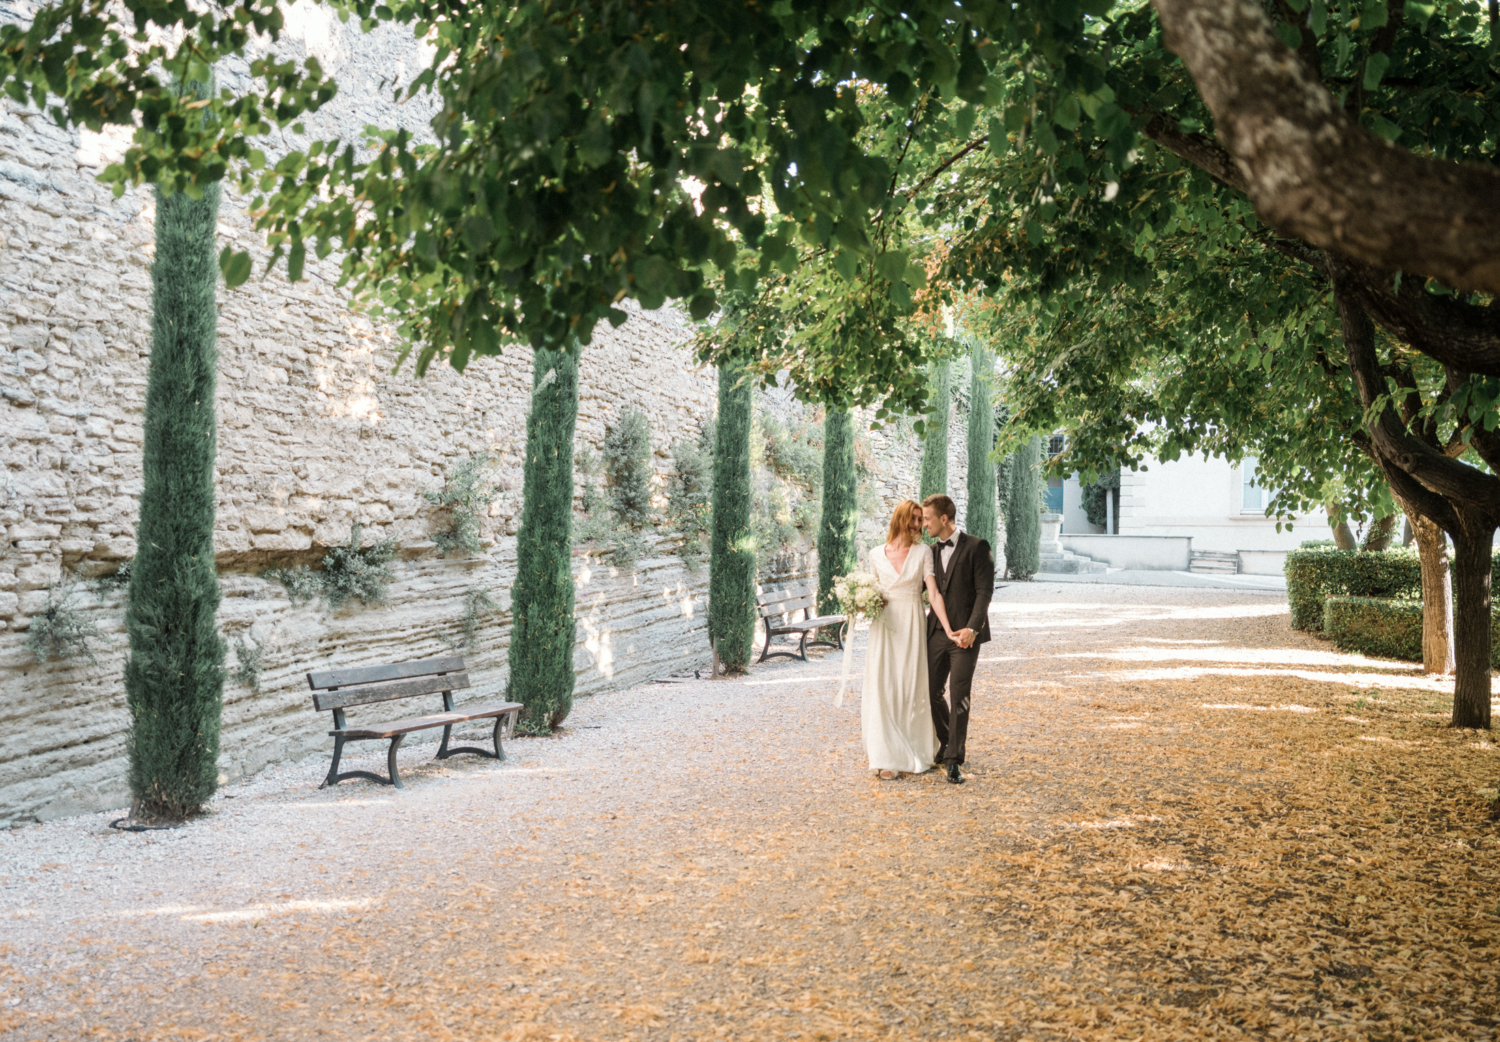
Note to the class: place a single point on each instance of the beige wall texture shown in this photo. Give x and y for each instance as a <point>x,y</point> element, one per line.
<point>315,433</point>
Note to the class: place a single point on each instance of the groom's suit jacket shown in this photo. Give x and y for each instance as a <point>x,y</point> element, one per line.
<point>966,585</point>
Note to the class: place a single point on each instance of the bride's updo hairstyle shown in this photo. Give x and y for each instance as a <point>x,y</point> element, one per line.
<point>906,513</point>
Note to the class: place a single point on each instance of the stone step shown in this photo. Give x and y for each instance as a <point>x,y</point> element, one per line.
<point>1216,555</point>
<point>1068,563</point>
<point>1213,567</point>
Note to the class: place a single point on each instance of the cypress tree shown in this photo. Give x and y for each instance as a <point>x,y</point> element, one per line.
<point>837,552</point>
<point>1023,517</point>
<point>731,563</point>
<point>981,510</point>
<point>935,436</point>
<point>544,629</point>
<point>174,676</point>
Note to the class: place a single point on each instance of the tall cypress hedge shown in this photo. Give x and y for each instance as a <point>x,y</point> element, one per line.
<point>982,492</point>
<point>1023,516</point>
<point>935,436</point>
<point>544,629</point>
<point>174,676</point>
<point>837,552</point>
<point>731,563</point>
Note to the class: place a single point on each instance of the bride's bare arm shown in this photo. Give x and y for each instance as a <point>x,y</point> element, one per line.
<point>936,599</point>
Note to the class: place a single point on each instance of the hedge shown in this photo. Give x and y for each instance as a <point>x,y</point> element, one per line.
<point>1315,574</point>
<point>1385,628</point>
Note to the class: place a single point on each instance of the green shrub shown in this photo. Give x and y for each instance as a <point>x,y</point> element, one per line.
<point>1023,511</point>
<point>627,463</point>
<point>477,604</point>
<point>59,630</point>
<point>1375,626</point>
<point>247,664</point>
<point>1095,496</point>
<point>352,572</point>
<point>731,567</point>
<point>981,520</point>
<point>690,493</point>
<point>1313,544</point>
<point>935,431</point>
<point>466,494</point>
<point>618,514</point>
<point>545,629</point>
<point>1315,574</point>
<point>1385,627</point>
<point>838,550</point>
<point>795,452</point>
<point>174,677</point>
<point>119,579</point>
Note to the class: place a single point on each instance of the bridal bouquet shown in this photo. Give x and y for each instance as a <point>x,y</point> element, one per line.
<point>858,594</point>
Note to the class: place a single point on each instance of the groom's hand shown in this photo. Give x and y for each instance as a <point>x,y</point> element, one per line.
<point>965,637</point>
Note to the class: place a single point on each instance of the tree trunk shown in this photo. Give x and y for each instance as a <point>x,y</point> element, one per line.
<point>1382,531</point>
<point>1343,538</point>
<point>1437,595</point>
<point>1472,546</point>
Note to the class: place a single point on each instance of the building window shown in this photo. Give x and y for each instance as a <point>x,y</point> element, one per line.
<point>1253,497</point>
<point>1056,444</point>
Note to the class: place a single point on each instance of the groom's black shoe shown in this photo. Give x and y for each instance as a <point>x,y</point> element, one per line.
<point>955,776</point>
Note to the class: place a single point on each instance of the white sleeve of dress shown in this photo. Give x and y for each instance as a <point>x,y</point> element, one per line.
<point>927,568</point>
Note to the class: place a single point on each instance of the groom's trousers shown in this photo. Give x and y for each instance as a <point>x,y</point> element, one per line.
<point>951,666</point>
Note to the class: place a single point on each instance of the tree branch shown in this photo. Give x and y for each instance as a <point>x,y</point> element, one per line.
<point>1314,174</point>
<point>1426,466</point>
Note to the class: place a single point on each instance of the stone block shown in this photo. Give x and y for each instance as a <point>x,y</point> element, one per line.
<point>10,604</point>
<point>264,519</point>
<point>290,540</point>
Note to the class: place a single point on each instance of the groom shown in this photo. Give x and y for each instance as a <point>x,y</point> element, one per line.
<point>965,568</point>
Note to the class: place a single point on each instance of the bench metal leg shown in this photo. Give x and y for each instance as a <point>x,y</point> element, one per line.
<point>766,648</point>
<point>334,776</point>
<point>390,761</point>
<point>802,648</point>
<point>444,752</point>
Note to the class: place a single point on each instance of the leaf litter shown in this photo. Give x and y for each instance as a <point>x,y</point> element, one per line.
<point>1183,820</point>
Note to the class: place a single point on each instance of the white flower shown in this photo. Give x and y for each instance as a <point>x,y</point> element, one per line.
<point>859,594</point>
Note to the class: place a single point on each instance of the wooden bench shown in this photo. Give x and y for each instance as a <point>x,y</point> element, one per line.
<point>778,604</point>
<point>338,689</point>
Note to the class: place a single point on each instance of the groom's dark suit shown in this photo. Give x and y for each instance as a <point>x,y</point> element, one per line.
<point>967,585</point>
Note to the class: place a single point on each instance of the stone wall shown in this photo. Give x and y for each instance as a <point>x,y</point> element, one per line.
<point>315,433</point>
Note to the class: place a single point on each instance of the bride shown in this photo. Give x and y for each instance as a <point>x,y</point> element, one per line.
<point>895,711</point>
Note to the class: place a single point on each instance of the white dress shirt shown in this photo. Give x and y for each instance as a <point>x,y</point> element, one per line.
<point>947,551</point>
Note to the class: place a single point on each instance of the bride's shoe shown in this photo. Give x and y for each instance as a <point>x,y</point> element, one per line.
<point>888,775</point>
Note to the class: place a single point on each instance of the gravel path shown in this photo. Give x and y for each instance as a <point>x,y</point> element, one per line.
<point>687,860</point>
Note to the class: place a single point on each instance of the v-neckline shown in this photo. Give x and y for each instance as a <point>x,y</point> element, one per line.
<point>898,572</point>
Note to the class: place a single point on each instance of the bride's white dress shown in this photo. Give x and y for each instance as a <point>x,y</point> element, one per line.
<point>894,709</point>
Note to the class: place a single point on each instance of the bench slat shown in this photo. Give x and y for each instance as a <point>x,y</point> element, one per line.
<point>785,593</point>
<point>791,604</point>
<point>422,723</point>
<point>798,625</point>
<point>358,696</point>
<point>377,674</point>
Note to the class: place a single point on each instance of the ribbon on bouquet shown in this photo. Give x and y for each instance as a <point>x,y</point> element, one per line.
<point>838,699</point>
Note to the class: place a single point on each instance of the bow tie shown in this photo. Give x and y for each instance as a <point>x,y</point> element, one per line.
<point>946,542</point>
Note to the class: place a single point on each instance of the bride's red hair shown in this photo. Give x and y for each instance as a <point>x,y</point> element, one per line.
<point>902,517</point>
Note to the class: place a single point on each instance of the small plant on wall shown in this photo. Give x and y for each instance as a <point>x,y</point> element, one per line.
<point>619,514</point>
<point>351,572</point>
<point>467,492</point>
<point>477,604</point>
<point>59,630</point>
<point>690,494</point>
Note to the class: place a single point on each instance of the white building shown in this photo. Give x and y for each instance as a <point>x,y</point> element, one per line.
<point>1195,513</point>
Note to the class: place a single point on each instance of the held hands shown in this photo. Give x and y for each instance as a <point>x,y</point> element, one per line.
<point>964,638</point>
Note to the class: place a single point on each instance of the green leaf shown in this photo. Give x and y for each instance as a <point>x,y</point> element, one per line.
<point>235,267</point>
<point>1375,67</point>
<point>295,258</point>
